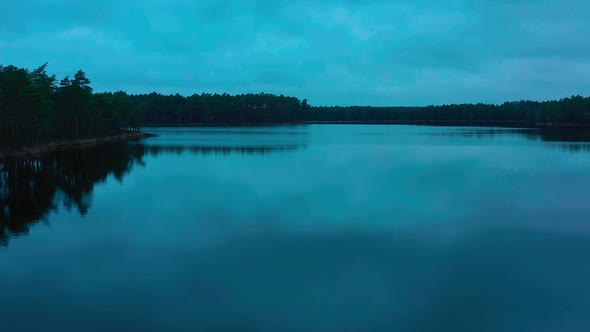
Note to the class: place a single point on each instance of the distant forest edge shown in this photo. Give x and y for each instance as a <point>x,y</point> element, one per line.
<point>36,108</point>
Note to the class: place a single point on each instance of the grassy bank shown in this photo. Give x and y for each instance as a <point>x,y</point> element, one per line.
<point>32,151</point>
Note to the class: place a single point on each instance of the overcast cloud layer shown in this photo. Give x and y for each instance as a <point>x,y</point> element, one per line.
<point>372,52</point>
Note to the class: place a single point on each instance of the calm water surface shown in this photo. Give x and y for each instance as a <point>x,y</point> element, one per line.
<point>302,228</point>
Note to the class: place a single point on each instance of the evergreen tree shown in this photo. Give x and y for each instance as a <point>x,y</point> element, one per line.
<point>34,109</point>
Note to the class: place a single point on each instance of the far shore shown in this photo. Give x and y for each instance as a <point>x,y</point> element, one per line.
<point>221,124</point>
<point>437,123</point>
<point>33,151</point>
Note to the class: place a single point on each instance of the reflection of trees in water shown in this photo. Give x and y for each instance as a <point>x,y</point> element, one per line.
<point>569,147</point>
<point>483,133</point>
<point>30,189</point>
<point>565,134</point>
<point>218,150</point>
<point>566,139</point>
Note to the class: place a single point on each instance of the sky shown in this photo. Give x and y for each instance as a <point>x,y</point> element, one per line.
<point>372,52</point>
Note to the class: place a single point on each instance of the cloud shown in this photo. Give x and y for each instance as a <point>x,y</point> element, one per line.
<point>333,53</point>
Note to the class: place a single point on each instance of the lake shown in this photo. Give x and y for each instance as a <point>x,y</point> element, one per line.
<point>301,228</point>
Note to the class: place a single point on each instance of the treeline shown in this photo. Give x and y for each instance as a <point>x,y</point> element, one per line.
<point>157,109</point>
<point>36,108</point>
<point>206,108</point>
<point>574,110</point>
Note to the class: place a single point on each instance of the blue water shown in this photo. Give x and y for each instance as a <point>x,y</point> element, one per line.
<point>305,228</point>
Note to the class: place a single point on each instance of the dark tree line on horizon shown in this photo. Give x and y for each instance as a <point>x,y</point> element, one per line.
<point>574,110</point>
<point>207,108</point>
<point>36,108</point>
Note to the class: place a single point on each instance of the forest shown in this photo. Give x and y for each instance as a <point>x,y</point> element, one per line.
<point>36,107</point>
<point>571,111</point>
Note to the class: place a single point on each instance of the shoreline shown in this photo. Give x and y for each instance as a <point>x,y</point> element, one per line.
<point>245,124</point>
<point>461,123</point>
<point>33,151</point>
<point>435,123</point>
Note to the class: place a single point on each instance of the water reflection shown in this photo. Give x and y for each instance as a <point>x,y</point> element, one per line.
<point>544,134</point>
<point>31,188</point>
<point>505,279</point>
<point>359,229</point>
<point>484,132</point>
<point>252,139</point>
<point>155,150</point>
<point>566,139</point>
<point>574,148</point>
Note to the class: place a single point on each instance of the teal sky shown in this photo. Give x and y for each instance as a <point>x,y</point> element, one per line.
<point>372,52</point>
